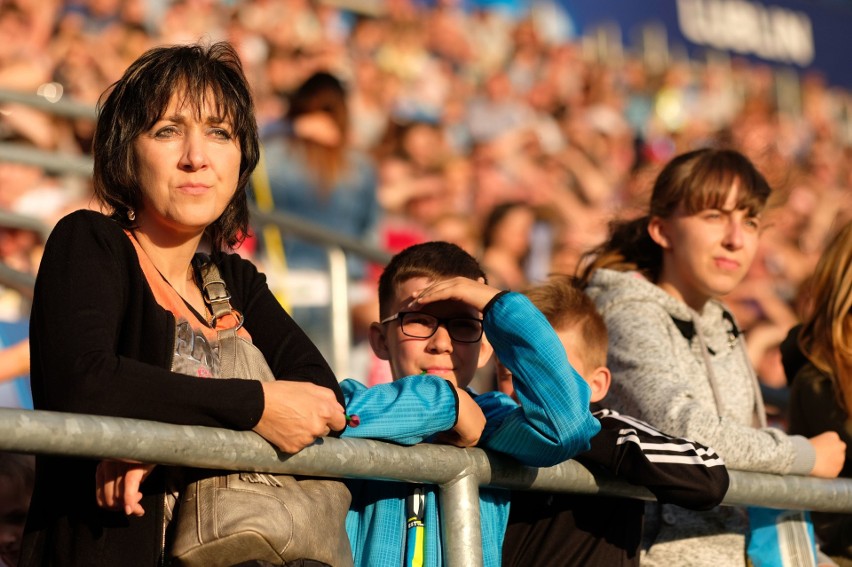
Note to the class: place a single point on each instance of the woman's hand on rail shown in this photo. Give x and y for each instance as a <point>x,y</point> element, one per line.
<point>296,413</point>
<point>117,486</point>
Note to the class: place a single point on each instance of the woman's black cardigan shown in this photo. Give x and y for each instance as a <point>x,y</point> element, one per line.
<point>100,344</point>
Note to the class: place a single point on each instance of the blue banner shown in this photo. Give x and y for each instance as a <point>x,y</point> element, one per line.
<point>802,35</point>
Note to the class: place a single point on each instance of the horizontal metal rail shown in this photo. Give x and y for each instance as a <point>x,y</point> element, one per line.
<point>103,437</point>
<point>456,472</point>
<point>56,163</point>
<point>9,219</point>
<point>64,108</point>
<point>21,282</point>
<point>297,226</point>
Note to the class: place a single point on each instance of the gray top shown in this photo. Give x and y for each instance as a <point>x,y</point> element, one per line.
<point>688,374</point>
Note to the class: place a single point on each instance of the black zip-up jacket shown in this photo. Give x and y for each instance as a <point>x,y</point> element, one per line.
<point>562,529</point>
<point>100,344</point>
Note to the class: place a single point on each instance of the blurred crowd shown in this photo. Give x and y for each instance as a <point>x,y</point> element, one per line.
<point>506,134</point>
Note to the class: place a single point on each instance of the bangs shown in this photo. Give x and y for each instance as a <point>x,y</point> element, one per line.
<point>714,191</point>
<point>196,94</point>
<point>704,180</point>
<point>214,79</point>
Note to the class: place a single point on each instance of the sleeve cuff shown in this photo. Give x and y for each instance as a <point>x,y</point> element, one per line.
<point>456,396</point>
<point>494,300</point>
<point>805,456</point>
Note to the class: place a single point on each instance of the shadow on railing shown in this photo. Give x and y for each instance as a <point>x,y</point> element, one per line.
<point>457,472</point>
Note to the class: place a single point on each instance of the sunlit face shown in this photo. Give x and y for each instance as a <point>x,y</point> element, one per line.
<point>188,169</point>
<point>706,254</point>
<point>439,354</point>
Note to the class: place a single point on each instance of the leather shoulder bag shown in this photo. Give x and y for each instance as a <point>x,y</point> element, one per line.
<point>229,519</point>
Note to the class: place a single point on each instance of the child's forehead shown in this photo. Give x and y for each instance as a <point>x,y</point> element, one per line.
<point>404,294</point>
<point>405,288</point>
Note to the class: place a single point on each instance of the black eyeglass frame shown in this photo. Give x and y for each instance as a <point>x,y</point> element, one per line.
<point>445,321</point>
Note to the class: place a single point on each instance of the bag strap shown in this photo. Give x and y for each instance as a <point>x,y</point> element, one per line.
<point>219,300</point>
<point>237,358</point>
<point>214,290</point>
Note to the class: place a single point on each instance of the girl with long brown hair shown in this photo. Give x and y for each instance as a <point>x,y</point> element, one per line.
<point>676,354</point>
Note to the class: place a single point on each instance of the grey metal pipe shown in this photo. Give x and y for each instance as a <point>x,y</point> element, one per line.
<point>9,219</point>
<point>101,437</point>
<point>112,437</point>
<point>317,234</point>
<point>461,521</point>
<point>53,162</point>
<point>65,108</point>
<point>21,282</point>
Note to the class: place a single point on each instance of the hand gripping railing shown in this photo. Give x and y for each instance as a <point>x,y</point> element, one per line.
<point>457,472</point>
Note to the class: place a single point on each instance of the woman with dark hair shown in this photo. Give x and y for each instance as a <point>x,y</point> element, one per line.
<point>119,319</point>
<point>677,357</point>
<point>314,172</point>
<point>821,391</point>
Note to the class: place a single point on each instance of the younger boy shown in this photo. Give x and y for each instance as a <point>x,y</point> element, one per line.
<point>434,308</point>
<point>571,529</point>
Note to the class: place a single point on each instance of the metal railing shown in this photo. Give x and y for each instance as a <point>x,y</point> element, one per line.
<point>458,473</point>
<point>64,108</point>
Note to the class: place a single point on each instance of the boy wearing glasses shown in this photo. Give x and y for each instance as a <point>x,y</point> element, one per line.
<point>436,312</point>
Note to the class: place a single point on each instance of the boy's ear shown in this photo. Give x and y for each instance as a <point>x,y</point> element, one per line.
<point>658,233</point>
<point>485,352</point>
<point>599,380</point>
<point>379,341</point>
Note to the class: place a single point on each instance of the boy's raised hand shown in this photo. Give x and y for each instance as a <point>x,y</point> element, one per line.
<point>475,293</point>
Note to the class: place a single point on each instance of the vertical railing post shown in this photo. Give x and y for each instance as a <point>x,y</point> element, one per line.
<point>341,339</point>
<point>460,521</point>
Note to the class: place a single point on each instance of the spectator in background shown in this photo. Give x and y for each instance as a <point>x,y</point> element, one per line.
<point>676,353</point>
<point>315,173</point>
<point>20,250</point>
<point>821,392</point>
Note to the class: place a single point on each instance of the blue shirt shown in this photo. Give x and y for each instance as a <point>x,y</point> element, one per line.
<point>552,424</point>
